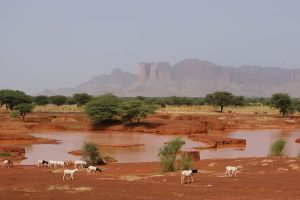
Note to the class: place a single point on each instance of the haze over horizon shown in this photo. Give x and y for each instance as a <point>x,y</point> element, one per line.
<point>54,44</point>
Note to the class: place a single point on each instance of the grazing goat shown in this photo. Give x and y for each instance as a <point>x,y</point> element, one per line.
<point>69,172</point>
<point>42,163</point>
<point>7,163</point>
<point>230,170</point>
<point>188,174</point>
<point>93,169</point>
<point>79,162</point>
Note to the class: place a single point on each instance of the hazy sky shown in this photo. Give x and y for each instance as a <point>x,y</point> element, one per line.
<point>62,43</point>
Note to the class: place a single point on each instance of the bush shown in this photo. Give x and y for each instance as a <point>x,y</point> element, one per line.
<point>14,114</point>
<point>277,147</point>
<point>186,162</point>
<point>41,100</point>
<point>168,154</point>
<point>4,154</point>
<point>91,153</point>
<point>58,100</point>
<point>24,109</point>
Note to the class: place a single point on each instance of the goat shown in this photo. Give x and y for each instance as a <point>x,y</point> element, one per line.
<point>42,163</point>
<point>93,169</point>
<point>79,162</point>
<point>61,163</point>
<point>230,170</point>
<point>7,163</point>
<point>52,162</point>
<point>188,174</point>
<point>69,172</point>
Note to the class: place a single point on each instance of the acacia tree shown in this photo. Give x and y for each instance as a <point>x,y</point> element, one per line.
<point>12,98</point>
<point>103,108</point>
<point>58,100</point>
<point>282,102</point>
<point>238,101</point>
<point>24,109</point>
<point>81,98</point>
<point>41,100</point>
<point>135,109</point>
<point>221,99</point>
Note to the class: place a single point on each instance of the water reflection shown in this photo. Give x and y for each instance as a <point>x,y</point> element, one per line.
<point>258,143</point>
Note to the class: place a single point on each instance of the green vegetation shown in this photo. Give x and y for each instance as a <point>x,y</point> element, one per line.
<point>186,162</point>
<point>4,154</point>
<point>41,100</point>
<point>12,98</point>
<point>91,153</point>
<point>14,114</point>
<point>221,99</point>
<point>58,100</point>
<point>168,154</point>
<point>81,98</point>
<point>277,147</point>
<point>283,103</point>
<point>103,108</point>
<point>24,109</point>
<point>135,109</point>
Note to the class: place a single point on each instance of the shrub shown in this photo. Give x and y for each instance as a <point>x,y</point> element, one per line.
<point>186,162</point>
<point>168,154</point>
<point>135,109</point>
<point>277,147</point>
<point>283,103</point>
<point>14,114</point>
<point>91,153</point>
<point>5,154</point>
<point>41,100</point>
<point>58,100</point>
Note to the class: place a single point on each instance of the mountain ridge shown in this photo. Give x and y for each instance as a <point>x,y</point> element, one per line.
<point>190,77</point>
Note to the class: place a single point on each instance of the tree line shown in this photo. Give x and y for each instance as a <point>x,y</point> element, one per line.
<point>109,107</point>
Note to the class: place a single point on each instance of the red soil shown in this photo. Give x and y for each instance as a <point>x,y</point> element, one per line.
<point>260,178</point>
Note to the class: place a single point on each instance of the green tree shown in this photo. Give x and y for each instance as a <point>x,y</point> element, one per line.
<point>283,103</point>
<point>168,154</point>
<point>82,98</point>
<point>58,100</point>
<point>11,98</point>
<point>41,100</point>
<point>238,101</point>
<point>24,109</point>
<point>91,153</point>
<point>221,99</point>
<point>135,109</point>
<point>103,108</point>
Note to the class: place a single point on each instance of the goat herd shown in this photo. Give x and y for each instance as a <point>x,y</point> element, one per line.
<point>185,174</point>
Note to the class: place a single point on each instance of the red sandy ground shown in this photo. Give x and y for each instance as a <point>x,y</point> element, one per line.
<point>260,178</point>
<point>279,179</point>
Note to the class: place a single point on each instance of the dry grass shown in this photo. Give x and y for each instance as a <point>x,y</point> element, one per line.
<point>54,108</point>
<point>212,109</point>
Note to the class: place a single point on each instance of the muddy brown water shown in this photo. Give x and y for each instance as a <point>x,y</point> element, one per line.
<point>258,143</point>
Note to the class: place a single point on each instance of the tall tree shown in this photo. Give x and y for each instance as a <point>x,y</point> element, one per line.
<point>11,98</point>
<point>282,102</point>
<point>221,99</point>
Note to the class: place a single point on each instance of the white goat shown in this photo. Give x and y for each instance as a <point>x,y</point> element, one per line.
<point>230,170</point>
<point>188,174</point>
<point>42,163</point>
<point>93,169</point>
<point>61,163</point>
<point>79,162</point>
<point>52,162</point>
<point>69,172</point>
<point>7,163</point>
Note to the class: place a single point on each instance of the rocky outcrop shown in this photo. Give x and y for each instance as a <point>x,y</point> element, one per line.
<point>191,77</point>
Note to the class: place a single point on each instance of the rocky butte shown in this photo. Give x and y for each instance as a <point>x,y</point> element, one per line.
<point>191,77</point>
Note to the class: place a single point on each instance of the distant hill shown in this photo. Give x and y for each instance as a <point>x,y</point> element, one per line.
<point>191,77</point>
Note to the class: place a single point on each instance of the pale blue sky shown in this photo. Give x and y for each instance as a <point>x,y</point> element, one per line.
<point>61,43</point>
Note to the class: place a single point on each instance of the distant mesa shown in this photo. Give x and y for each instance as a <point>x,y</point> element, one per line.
<point>190,77</point>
